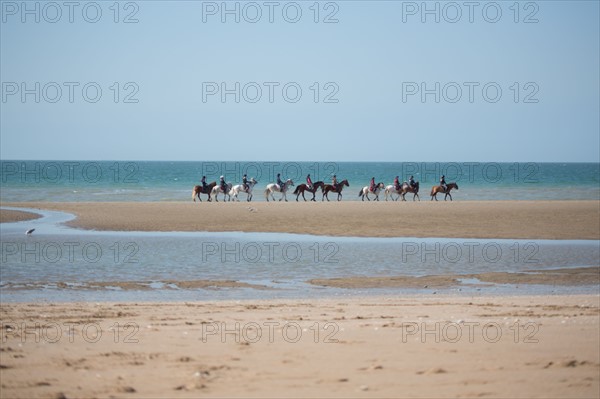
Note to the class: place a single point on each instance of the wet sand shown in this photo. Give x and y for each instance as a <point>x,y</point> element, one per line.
<point>563,277</point>
<point>464,219</point>
<point>532,346</point>
<point>9,216</point>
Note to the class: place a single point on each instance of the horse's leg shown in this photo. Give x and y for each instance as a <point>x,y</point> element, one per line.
<point>339,196</point>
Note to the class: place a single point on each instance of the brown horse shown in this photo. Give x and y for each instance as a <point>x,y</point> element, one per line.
<point>329,188</point>
<point>439,189</point>
<point>301,188</point>
<point>197,190</point>
<point>407,188</point>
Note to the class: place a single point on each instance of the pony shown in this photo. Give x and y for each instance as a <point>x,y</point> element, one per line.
<point>217,189</point>
<point>364,192</point>
<point>197,190</point>
<point>301,188</point>
<point>329,188</point>
<point>439,189</point>
<point>239,188</point>
<point>391,190</point>
<point>274,188</point>
<point>407,188</point>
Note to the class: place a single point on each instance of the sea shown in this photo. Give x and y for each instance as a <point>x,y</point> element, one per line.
<point>60,263</point>
<point>23,181</point>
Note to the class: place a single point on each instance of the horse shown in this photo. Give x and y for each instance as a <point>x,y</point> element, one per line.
<point>439,189</point>
<point>239,188</point>
<point>329,187</point>
<point>197,190</point>
<point>407,188</point>
<point>273,187</point>
<point>301,188</point>
<point>364,192</point>
<point>217,189</point>
<point>391,190</point>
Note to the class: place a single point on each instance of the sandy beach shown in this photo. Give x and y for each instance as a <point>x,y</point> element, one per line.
<point>523,347</point>
<point>392,346</point>
<point>467,219</point>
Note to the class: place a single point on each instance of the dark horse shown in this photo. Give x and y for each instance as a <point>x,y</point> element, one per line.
<point>329,187</point>
<point>198,190</point>
<point>407,188</point>
<point>439,189</point>
<point>301,188</point>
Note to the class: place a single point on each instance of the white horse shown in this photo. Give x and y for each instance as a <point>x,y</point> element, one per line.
<point>274,188</point>
<point>364,192</point>
<point>217,190</point>
<point>390,191</point>
<point>239,188</point>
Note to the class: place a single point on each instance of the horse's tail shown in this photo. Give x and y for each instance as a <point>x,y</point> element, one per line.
<point>267,193</point>
<point>360,193</point>
<point>432,191</point>
<point>194,194</point>
<point>297,190</point>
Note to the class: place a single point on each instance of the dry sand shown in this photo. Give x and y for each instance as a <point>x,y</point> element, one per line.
<point>466,219</point>
<point>374,347</point>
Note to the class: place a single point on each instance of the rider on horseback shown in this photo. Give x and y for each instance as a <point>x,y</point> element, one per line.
<point>372,185</point>
<point>203,181</point>
<point>309,184</point>
<point>279,181</point>
<point>411,181</point>
<point>245,182</point>
<point>223,184</point>
<point>443,183</point>
<point>397,183</point>
<point>334,182</point>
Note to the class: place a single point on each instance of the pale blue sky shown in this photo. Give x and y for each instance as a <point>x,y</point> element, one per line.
<point>368,54</point>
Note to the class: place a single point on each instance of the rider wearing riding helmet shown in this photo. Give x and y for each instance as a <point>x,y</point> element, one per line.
<point>203,181</point>
<point>334,182</point>
<point>245,182</point>
<point>309,183</point>
<point>372,185</point>
<point>397,183</point>
<point>223,184</point>
<point>279,182</point>
<point>443,183</point>
<point>411,181</point>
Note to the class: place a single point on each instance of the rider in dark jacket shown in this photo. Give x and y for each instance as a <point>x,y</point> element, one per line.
<point>245,182</point>
<point>279,181</point>
<point>443,183</point>
<point>223,184</point>
<point>411,181</point>
<point>203,181</point>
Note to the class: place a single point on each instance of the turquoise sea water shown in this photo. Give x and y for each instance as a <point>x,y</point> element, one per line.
<point>173,181</point>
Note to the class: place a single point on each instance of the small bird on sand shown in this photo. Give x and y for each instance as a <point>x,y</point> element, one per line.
<point>28,232</point>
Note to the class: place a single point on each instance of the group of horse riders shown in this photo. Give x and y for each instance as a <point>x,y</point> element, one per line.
<point>334,182</point>
<point>223,185</point>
